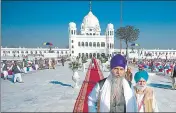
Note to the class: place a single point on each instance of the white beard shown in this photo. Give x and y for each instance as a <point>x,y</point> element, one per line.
<point>140,87</point>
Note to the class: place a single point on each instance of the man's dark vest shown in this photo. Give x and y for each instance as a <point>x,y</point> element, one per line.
<point>15,69</point>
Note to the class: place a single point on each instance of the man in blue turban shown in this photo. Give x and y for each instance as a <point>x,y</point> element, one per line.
<point>145,97</point>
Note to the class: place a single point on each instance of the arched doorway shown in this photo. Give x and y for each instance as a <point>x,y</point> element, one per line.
<point>94,55</point>
<point>90,55</point>
<point>98,55</point>
<point>82,54</point>
<point>87,55</point>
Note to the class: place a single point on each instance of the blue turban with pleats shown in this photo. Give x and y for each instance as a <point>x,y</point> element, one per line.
<point>141,74</point>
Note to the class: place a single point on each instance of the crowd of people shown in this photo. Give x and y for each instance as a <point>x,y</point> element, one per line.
<point>13,69</point>
<point>116,93</point>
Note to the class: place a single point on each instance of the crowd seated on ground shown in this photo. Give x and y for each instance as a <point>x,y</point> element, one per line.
<point>25,66</point>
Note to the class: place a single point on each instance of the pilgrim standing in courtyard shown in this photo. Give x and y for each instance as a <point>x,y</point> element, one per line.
<point>5,70</point>
<point>62,60</point>
<point>174,76</point>
<point>128,76</point>
<point>113,94</point>
<point>145,97</point>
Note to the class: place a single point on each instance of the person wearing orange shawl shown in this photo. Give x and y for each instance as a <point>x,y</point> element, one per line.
<point>145,97</point>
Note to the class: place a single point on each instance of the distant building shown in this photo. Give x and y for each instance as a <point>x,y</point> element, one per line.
<point>89,42</point>
<point>22,52</point>
<point>141,53</point>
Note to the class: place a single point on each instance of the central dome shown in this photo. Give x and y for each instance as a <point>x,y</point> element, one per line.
<point>91,21</point>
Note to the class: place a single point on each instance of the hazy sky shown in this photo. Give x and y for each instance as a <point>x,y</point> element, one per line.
<point>30,24</point>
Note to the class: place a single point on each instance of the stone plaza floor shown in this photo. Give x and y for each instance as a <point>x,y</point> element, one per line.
<point>51,91</point>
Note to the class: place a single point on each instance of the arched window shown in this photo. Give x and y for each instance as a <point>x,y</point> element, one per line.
<point>83,44</point>
<point>72,32</point>
<point>98,44</point>
<point>79,55</point>
<point>86,44</point>
<point>72,51</point>
<point>110,46</point>
<point>90,44</point>
<point>79,44</point>
<point>87,55</point>
<point>87,33</point>
<point>82,54</point>
<point>72,41</point>
<point>94,54</point>
<point>102,44</point>
<point>90,55</point>
<point>98,55</point>
<point>94,44</point>
<point>94,34</point>
<point>72,46</point>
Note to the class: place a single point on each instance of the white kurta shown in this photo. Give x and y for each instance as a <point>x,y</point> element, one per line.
<point>154,104</point>
<point>105,97</point>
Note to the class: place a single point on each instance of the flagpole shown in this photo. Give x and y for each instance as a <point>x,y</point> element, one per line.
<point>120,24</point>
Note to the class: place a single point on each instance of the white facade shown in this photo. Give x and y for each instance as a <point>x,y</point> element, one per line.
<point>89,41</point>
<point>21,52</point>
<point>150,53</point>
<point>141,53</point>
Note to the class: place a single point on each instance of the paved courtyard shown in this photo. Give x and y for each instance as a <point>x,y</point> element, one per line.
<point>51,91</point>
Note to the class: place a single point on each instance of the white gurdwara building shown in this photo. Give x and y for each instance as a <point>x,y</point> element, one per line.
<point>89,42</point>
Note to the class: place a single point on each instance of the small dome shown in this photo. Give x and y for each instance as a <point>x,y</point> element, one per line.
<point>91,21</point>
<point>110,26</point>
<point>72,25</point>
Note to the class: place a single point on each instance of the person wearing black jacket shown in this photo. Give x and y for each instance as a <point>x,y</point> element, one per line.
<point>16,72</point>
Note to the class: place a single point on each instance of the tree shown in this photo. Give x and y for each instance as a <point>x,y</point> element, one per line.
<point>128,34</point>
